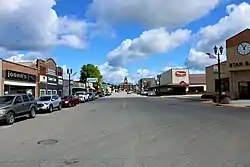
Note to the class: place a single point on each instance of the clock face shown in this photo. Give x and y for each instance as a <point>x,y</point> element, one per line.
<point>244,48</point>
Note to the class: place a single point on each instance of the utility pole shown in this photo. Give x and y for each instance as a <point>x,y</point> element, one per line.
<point>69,72</point>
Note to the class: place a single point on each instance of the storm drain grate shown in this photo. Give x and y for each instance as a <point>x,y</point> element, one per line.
<point>47,142</point>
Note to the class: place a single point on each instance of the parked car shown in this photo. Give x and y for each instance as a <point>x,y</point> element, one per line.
<point>83,96</point>
<point>49,103</point>
<point>107,94</point>
<point>91,96</point>
<point>145,93</point>
<point>100,94</point>
<point>76,99</point>
<point>13,106</point>
<point>151,93</point>
<point>129,92</point>
<point>68,101</point>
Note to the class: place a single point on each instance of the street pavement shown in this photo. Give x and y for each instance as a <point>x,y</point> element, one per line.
<point>130,131</point>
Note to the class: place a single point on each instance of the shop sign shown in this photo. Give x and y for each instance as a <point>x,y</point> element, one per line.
<point>60,81</point>
<point>51,72</point>
<point>19,76</point>
<point>52,79</point>
<point>216,68</point>
<point>182,83</point>
<point>180,73</point>
<point>43,78</point>
<point>239,64</point>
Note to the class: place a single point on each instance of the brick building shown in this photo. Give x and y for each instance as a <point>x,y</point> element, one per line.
<point>18,78</point>
<point>49,77</point>
<point>126,85</point>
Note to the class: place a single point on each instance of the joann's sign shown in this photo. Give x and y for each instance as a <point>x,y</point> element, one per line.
<point>14,75</point>
<point>180,73</point>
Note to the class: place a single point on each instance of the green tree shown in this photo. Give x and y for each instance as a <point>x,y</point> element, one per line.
<point>90,71</point>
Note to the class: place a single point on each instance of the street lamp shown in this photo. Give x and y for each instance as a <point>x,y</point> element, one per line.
<point>219,53</point>
<point>69,72</point>
<point>159,83</point>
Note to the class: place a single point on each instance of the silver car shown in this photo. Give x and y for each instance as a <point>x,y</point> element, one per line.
<point>49,103</point>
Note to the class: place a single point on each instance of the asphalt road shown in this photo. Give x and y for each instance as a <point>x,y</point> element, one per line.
<point>131,131</point>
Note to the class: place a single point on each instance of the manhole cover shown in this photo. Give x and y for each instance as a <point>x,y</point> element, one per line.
<point>47,142</point>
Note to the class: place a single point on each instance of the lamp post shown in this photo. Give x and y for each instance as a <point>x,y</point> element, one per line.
<point>219,53</point>
<point>159,83</point>
<point>69,72</point>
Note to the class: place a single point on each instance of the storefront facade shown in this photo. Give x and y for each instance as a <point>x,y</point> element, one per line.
<point>235,72</point>
<point>50,77</point>
<point>17,78</point>
<point>197,83</point>
<point>59,71</point>
<point>173,81</point>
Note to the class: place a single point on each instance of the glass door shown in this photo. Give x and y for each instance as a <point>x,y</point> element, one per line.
<point>244,90</point>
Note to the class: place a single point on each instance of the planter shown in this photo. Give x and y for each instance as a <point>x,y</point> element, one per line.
<point>225,99</point>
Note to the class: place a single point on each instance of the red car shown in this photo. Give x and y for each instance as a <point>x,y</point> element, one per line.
<point>75,100</point>
<point>69,101</point>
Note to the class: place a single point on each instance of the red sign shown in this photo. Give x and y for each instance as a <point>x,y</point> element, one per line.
<point>182,83</point>
<point>180,73</point>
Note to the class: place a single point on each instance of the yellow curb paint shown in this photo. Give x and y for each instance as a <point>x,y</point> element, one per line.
<point>225,105</point>
<point>207,102</point>
<point>234,106</point>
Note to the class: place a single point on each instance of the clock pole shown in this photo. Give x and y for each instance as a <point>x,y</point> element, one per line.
<point>219,53</point>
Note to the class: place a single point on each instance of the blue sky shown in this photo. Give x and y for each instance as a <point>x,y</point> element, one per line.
<point>159,34</point>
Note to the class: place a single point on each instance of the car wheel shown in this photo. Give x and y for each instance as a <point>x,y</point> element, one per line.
<point>60,106</point>
<point>32,113</point>
<point>10,118</point>
<point>50,108</point>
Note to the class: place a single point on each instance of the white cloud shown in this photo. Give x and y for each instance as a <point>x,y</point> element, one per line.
<point>149,43</point>
<point>112,74</point>
<point>217,34</point>
<point>31,56</point>
<point>191,71</point>
<point>116,74</point>
<point>151,12</point>
<point>34,25</point>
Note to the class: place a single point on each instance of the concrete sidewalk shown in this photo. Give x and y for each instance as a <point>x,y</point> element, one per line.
<point>196,97</point>
<point>233,103</point>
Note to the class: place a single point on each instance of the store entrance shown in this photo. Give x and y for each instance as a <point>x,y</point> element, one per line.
<point>11,89</point>
<point>244,90</point>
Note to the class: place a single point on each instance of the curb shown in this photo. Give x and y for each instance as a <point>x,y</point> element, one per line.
<point>225,105</point>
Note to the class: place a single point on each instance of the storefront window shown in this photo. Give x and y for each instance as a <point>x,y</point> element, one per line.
<point>49,92</point>
<point>54,92</point>
<point>13,89</point>
<point>42,92</point>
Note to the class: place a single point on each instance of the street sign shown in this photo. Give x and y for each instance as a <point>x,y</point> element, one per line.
<point>92,80</point>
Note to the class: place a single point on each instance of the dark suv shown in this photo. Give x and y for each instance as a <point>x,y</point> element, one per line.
<point>17,105</point>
